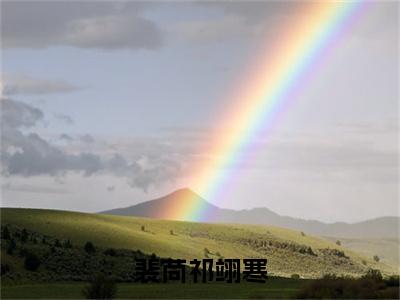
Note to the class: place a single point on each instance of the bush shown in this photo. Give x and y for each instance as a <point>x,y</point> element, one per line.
<point>369,286</point>
<point>100,288</point>
<point>171,232</point>
<point>218,254</point>
<point>142,228</point>
<point>89,248</point>
<point>31,262</point>
<point>67,244</point>
<point>392,281</point>
<point>376,258</point>
<point>4,269</point>
<point>364,262</point>
<point>339,243</point>
<point>110,252</point>
<point>295,276</point>
<point>24,235</point>
<point>303,234</point>
<point>12,245</point>
<point>5,233</point>
<point>373,274</point>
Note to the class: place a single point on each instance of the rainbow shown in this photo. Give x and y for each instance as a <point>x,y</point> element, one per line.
<point>278,76</point>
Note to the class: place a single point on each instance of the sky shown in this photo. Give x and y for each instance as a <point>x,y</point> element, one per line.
<point>108,104</point>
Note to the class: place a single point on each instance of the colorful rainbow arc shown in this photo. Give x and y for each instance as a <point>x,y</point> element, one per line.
<point>279,77</point>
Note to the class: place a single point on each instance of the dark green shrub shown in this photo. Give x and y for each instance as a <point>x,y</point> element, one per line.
<point>142,228</point>
<point>31,262</point>
<point>369,286</point>
<point>89,248</point>
<point>374,275</point>
<point>12,245</point>
<point>100,288</point>
<point>24,235</point>
<point>5,233</point>
<point>295,276</point>
<point>67,244</point>
<point>110,252</point>
<point>364,262</point>
<point>392,281</point>
<point>206,252</point>
<point>376,258</point>
<point>4,269</point>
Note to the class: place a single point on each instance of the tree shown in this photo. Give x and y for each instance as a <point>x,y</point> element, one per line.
<point>57,243</point>
<point>110,252</point>
<point>67,244</point>
<point>24,235</point>
<point>376,258</point>
<point>4,269</point>
<point>89,248</point>
<point>5,234</point>
<point>32,262</point>
<point>100,287</point>
<point>12,245</point>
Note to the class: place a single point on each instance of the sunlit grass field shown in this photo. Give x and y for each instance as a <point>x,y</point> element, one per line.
<point>187,240</point>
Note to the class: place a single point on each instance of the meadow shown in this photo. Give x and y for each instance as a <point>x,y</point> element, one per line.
<point>52,254</point>
<point>288,252</point>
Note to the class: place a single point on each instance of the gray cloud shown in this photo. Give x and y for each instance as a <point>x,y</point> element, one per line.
<point>29,154</point>
<point>101,25</point>
<point>66,137</point>
<point>87,138</point>
<point>33,189</point>
<point>64,118</point>
<point>362,152</point>
<point>26,85</point>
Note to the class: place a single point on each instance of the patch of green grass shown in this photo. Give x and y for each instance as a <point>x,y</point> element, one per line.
<point>278,288</point>
<point>387,249</point>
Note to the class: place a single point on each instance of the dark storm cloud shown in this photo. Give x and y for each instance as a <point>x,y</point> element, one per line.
<point>29,154</point>
<point>101,25</point>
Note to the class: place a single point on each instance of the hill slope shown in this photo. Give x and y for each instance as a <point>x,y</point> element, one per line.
<point>287,251</point>
<point>387,227</point>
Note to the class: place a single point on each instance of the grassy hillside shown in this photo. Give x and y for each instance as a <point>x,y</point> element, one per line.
<point>287,251</point>
<point>385,248</point>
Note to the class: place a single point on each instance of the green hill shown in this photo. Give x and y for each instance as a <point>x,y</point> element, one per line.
<point>288,251</point>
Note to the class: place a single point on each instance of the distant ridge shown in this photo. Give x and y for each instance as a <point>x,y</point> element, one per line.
<point>382,227</point>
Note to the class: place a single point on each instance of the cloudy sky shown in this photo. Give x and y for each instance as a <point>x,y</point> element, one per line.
<point>108,104</point>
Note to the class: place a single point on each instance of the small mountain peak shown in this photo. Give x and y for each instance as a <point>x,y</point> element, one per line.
<point>186,192</point>
<point>181,196</point>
